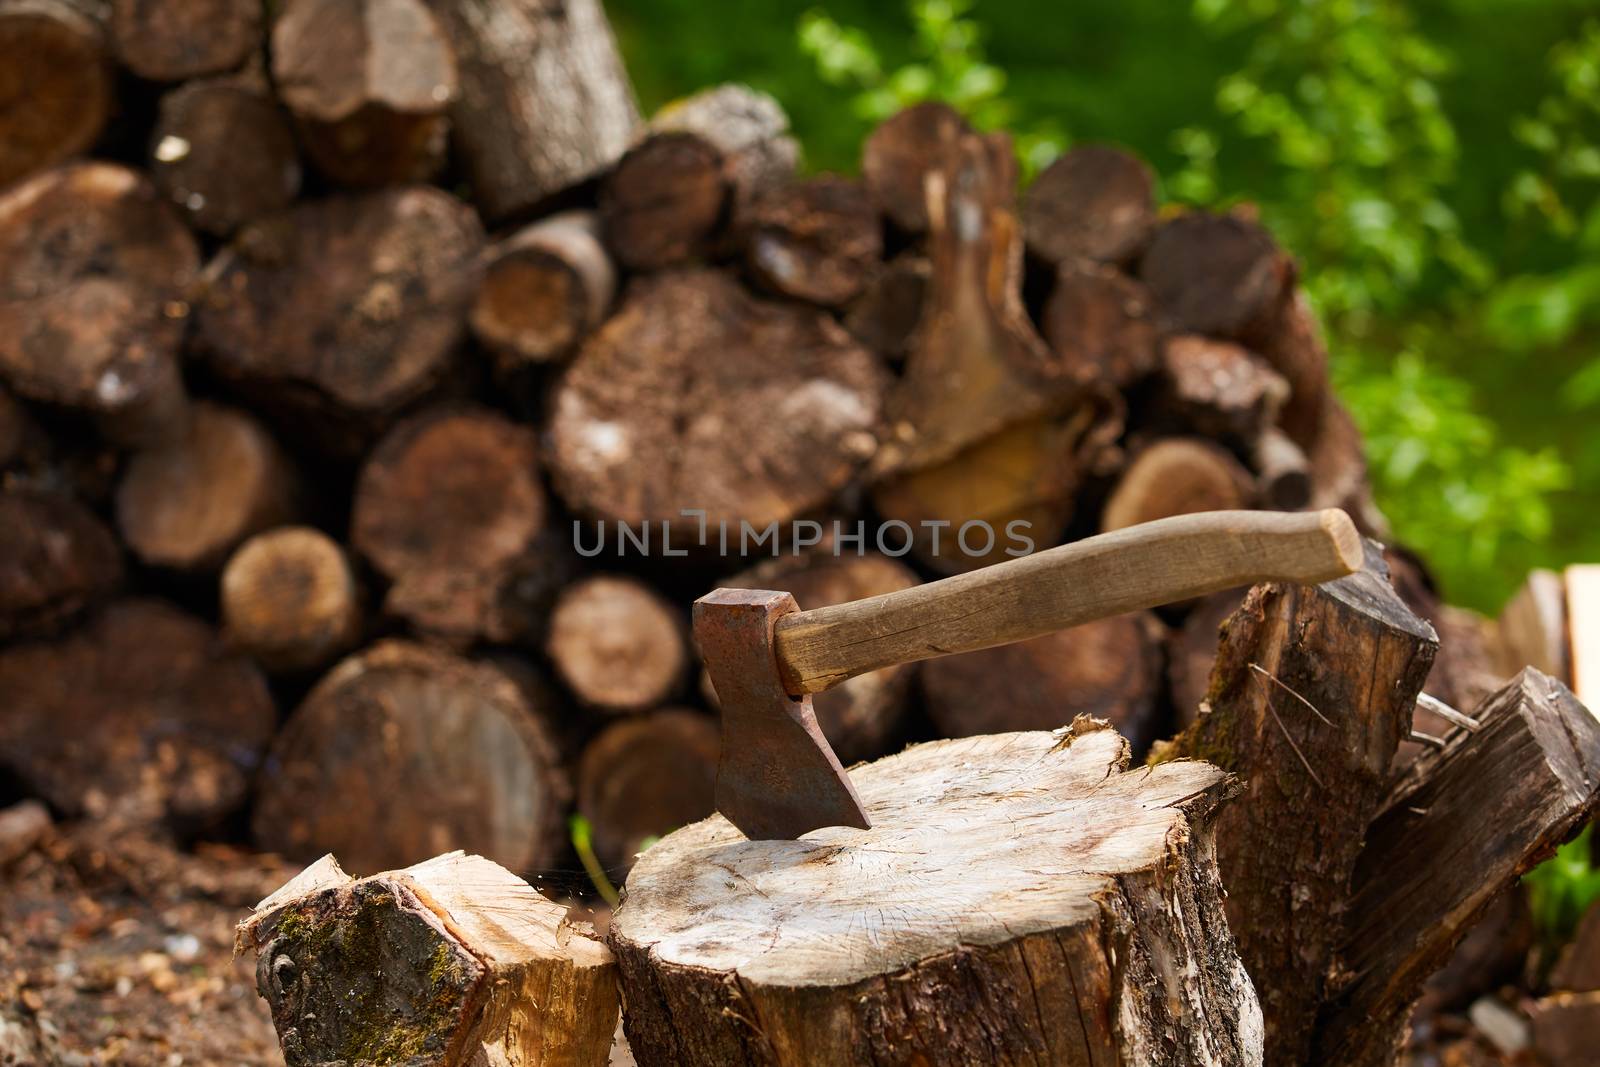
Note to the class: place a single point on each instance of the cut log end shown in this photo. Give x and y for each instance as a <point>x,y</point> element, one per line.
<point>1102,321</point>
<point>818,240</point>
<point>644,777</point>
<point>544,289</point>
<point>616,644</point>
<point>898,155</point>
<point>289,599</point>
<point>55,58</point>
<point>1094,202</point>
<point>175,40</point>
<point>56,558</point>
<point>1176,476</point>
<point>1217,275</point>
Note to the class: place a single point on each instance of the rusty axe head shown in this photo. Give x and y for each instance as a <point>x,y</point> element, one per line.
<point>777,777</point>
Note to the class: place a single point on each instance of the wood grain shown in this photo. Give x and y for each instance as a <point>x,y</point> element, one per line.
<point>1583,630</point>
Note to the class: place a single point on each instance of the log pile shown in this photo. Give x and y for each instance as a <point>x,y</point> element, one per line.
<point>377,391</point>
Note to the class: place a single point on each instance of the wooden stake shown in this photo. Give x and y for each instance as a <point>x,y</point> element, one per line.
<point>545,288</point>
<point>56,558</point>
<point>175,40</point>
<point>1094,202</point>
<point>60,79</point>
<point>617,644</point>
<point>645,776</point>
<point>289,599</point>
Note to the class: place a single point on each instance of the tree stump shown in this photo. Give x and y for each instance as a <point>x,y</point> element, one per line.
<point>1018,899</point>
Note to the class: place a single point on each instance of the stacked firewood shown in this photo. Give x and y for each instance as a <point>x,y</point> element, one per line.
<point>378,391</point>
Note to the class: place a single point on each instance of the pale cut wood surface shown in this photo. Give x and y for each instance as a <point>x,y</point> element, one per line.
<point>1533,627</point>
<point>1125,570</point>
<point>1583,629</point>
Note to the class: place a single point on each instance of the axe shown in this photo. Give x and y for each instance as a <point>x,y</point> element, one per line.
<point>777,776</point>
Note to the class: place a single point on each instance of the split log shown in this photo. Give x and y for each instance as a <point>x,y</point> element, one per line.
<point>545,101</point>
<point>885,316</point>
<point>450,962</point>
<point>189,726</point>
<point>448,507</point>
<point>544,289</point>
<point>1094,202</point>
<point>1310,698</point>
<point>1102,320</point>
<point>1217,275</point>
<point>402,750</point>
<point>1218,389</point>
<point>60,83</point>
<point>188,504</point>
<point>369,83</point>
<point>664,409</point>
<point>223,154</point>
<point>1582,585</point>
<point>1564,1025</point>
<point>1533,628</point>
<point>56,558</point>
<point>289,600</point>
<point>1020,869</point>
<point>1283,473</point>
<point>617,644</point>
<point>862,716</point>
<point>1459,828</point>
<point>817,240</point>
<point>175,40</point>
<point>1192,651</point>
<point>1109,669</point>
<point>1176,476</point>
<point>902,151</point>
<point>645,776</point>
<point>353,305</point>
<point>695,174</point>
<point>94,272</point>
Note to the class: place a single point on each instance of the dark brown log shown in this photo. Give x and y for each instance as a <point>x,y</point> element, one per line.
<point>56,92</point>
<point>452,962</point>
<point>544,289</point>
<point>1339,468</point>
<point>1291,340</point>
<point>289,599</point>
<point>175,40</point>
<point>56,558</point>
<point>545,101</point>
<point>142,703</point>
<point>1564,1025</point>
<point>354,303</point>
<point>403,750</point>
<point>885,316</point>
<point>818,240</point>
<point>1100,319</point>
<point>1578,966</point>
<point>369,83</point>
<point>1019,871</point>
<point>1215,274</point>
<point>1283,473</point>
<point>447,508</point>
<point>94,273</point>
<point>696,173</point>
<point>1533,628</point>
<point>861,718</point>
<point>1095,202</point>
<point>190,503</point>
<point>665,409</point>
<point>1109,669</point>
<point>18,431</point>
<point>1310,698</point>
<point>223,154</point>
<point>645,776</point>
<point>1192,651</point>
<point>1457,830</point>
<point>1491,955</point>
<point>1218,389</point>
<point>1176,476</point>
<point>897,157</point>
<point>617,644</point>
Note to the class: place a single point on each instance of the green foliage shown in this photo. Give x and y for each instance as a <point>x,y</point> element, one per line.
<point>583,844</point>
<point>1563,888</point>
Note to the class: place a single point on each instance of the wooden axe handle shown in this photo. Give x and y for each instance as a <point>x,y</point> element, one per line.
<point>1126,570</point>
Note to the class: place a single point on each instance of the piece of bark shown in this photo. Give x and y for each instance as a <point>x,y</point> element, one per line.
<point>1290,339</point>
<point>1218,389</point>
<point>1101,319</point>
<point>1176,476</point>
<point>447,507</point>
<point>1582,586</point>
<point>617,644</point>
<point>369,83</point>
<point>403,750</point>
<point>1311,695</point>
<point>452,962</point>
<point>94,275</point>
<point>664,408</point>
<point>545,102</point>
<point>885,316</point>
<point>59,83</point>
<point>1109,669</point>
<point>56,558</point>
<point>1533,628</point>
<point>1461,826</point>
<point>1217,275</point>
<point>142,699</point>
<point>223,154</point>
<point>175,40</point>
<point>1283,473</point>
<point>644,777</point>
<point>188,504</point>
<point>1000,872</point>
<point>545,288</point>
<point>22,826</point>
<point>695,176</point>
<point>862,716</point>
<point>1192,651</point>
<point>289,599</point>
<point>899,154</point>
<point>351,306</point>
<point>1564,1025</point>
<point>1094,202</point>
<point>819,240</point>
<point>1578,967</point>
